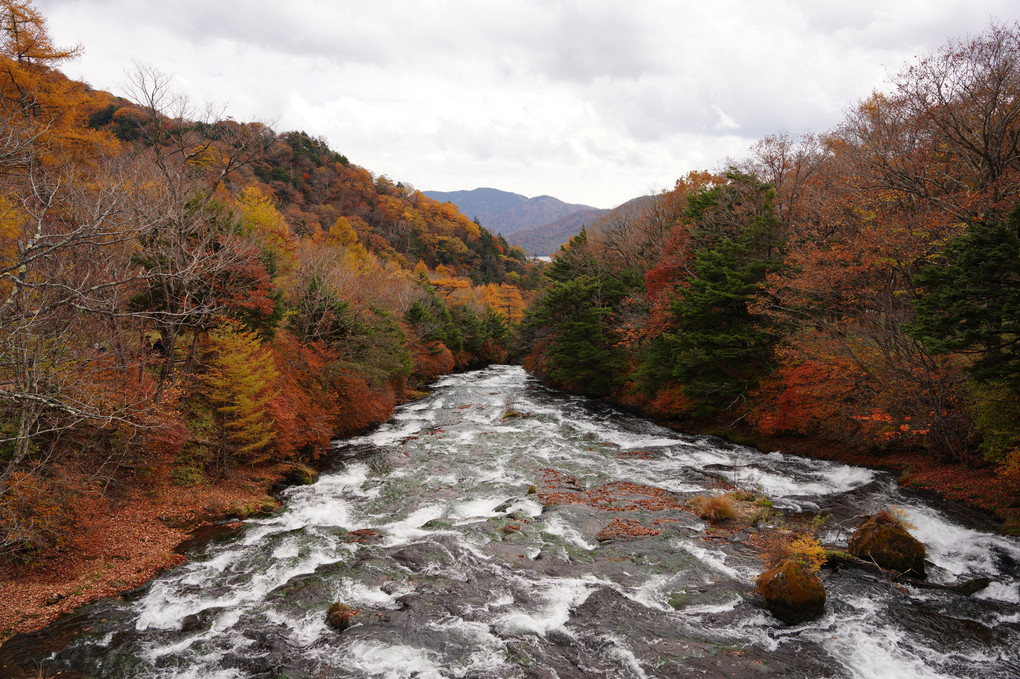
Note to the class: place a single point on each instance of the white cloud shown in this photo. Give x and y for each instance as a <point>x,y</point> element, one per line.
<point>592,101</point>
<point>725,122</point>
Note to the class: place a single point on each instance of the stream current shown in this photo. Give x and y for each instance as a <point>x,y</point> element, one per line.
<point>427,525</point>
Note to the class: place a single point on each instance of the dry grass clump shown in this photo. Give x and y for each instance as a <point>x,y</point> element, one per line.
<point>714,508</point>
<point>624,528</point>
<point>744,495</point>
<point>341,616</point>
<point>510,408</point>
<point>779,545</point>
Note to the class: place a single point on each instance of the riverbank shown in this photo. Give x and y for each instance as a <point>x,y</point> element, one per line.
<point>477,544</point>
<point>977,487</point>
<point>122,542</point>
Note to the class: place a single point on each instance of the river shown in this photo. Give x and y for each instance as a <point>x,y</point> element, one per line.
<point>431,525</point>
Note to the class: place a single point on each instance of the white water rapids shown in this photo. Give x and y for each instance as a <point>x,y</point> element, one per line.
<point>447,589</point>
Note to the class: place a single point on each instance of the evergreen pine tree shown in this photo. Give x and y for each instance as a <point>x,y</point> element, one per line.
<point>970,301</point>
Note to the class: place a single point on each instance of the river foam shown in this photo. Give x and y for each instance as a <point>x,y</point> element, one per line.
<point>434,526</point>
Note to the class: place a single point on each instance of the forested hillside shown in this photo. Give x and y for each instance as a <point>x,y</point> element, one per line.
<point>181,297</point>
<point>860,286</point>
<point>546,239</point>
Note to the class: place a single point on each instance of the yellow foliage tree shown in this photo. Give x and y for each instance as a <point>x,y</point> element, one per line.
<point>258,213</point>
<point>39,104</point>
<point>24,38</point>
<point>453,289</point>
<point>11,222</point>
<point>238,384</point>
<point>505,299</point>
<point>343,235</point>
<point>261,219</point>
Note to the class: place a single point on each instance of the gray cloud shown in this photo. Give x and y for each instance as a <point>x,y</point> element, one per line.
<point>592,101</point>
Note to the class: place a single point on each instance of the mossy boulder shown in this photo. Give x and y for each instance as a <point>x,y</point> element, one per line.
<point>792,593</point>
<point>300,475</point>
<point>262,506</point>
<point>292,474</point>
<point>888,544</point>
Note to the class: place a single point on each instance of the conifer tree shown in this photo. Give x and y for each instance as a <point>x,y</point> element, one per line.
<point>971,300</point>
<point>238,384</point>
<point>717,350</point>
<point>573,324</point>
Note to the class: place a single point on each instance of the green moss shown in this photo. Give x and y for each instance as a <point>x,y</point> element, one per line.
<point>307,475</point>
<point>258,507</point>
<point>187,476</point>
<point>434,524</point>
<point>835,556</point>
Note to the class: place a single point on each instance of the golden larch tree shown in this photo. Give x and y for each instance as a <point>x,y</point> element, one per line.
<point>238,384</point>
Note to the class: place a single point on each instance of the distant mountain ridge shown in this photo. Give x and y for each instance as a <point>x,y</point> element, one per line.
<point>485,205</point>
<point>539,225</point>
<point>546,239</point>
<point>507,212</point>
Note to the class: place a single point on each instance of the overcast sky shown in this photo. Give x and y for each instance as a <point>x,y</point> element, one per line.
<point>590,101</point>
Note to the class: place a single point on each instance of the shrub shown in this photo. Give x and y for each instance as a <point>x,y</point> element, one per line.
<point>341,616</point>
<point>714,508</point>
<point>893,516</point>
<point>1009,472</point>
<point>808,552</point>
<point>187,476</point>
<point>33,516</point>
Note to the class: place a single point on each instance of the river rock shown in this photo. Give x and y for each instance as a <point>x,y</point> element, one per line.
<point>890,546</point>
<point>791,593</point>
<point>341,616</point>
<point>292,474</point>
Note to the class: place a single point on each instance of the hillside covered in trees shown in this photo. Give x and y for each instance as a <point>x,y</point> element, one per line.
<point>859,286</point>
<point>181,297</point>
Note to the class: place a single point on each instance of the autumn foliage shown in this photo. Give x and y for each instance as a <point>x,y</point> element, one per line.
<point>858,285</point>
<point>181,295</point>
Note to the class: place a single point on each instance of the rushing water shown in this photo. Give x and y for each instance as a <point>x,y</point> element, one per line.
<point>449,589</point>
